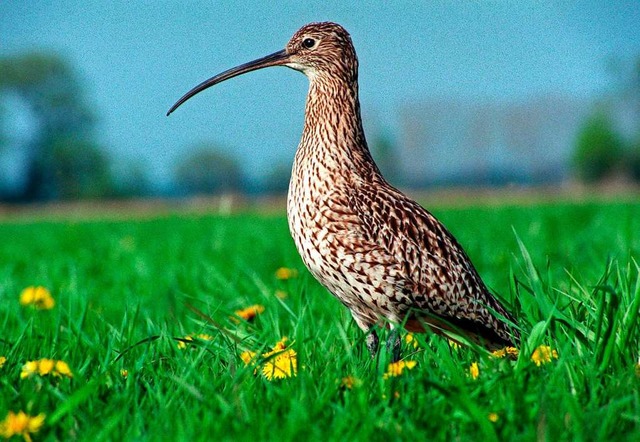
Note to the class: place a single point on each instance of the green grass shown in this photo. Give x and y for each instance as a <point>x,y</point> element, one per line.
<point>125,290</point>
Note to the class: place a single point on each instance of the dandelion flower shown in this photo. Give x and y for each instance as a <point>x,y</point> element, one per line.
<point>453,344</point>
<point>493,417</point>
<point>396,368</point>
<point>281,294</point>
<point>182,343</point>
<point>29,369</point>
<point>280,345</point>
<point>3,361</point>
<point>45,367</point>
<point>281,362</point>
<point>37,297</point>
<point>21,424</point>
<point>249,313</point>
<point>62,369</point>
<point>350,382</point>
<point>247,356</point>
<point>282,365</point>
<point>512,352</point>
<point>411,340</point>
<point>543,355</point>
<point>500,353</point>
<point>284,273</point>
<point>124,373</point>
<point>474,370</point>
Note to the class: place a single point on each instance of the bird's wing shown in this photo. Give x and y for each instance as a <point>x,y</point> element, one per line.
<point>435,272</point>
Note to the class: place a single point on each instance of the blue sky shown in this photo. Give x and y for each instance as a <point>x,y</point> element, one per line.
<point>136,58</point>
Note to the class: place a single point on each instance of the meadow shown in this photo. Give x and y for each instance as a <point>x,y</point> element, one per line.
<point>149,320</point>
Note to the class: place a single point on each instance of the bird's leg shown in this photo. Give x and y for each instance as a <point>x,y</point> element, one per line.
<point>394,344</point>
<point>369,329</point>
<point>372,342</point>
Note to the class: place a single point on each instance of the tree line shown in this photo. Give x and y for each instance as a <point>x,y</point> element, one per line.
<point>62,159</point>
<point>604,151</point>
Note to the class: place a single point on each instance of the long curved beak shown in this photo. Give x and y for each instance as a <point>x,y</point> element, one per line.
<point>276,59</point>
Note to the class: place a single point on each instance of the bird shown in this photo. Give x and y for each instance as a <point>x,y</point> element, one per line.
<point>380,253</point>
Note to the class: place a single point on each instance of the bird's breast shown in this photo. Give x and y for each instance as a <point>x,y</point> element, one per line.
<point>305,216</point>
<point>327,234</point>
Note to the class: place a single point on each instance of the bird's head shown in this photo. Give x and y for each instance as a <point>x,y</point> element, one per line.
<point>323,49</point>
<point>319,50</point>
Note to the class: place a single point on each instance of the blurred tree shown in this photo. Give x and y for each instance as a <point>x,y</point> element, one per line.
<point>63,161</point>
<point>626,76</point>
<point>207,170</point>
<point>277,179</point>
<point>599,148</point>
<point>633,90</point>
<point>133,181</point>
<point>384,151</point>
<point>81,170</point>
<point>633,162</point>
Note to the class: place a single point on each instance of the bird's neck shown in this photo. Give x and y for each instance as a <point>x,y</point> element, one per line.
<point>333,139</point>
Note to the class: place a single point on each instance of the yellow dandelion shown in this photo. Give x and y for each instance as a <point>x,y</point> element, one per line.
<point>45,367</point>
<point>411,340</point>
<point>281,362</point>
<point>124,373</point>
<point>396,368</point>
<point>474,370</point>
<point>249,313</point>
<point>3,361</point>
<point>21,424</point>
<point>29,369</point>
<point>500,353</point>
<point>37,297</point>
<point>286,273</point>
<point>247,357</point>
<point>182,343</point>
<point>512,352</point>
<point>543,355</point>
<point>493,417</point>
<point>280,345</point>
<point>62,369</point>
<point>350,382</point>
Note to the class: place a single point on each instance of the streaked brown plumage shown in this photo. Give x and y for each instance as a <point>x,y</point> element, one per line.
<point>380,253</point>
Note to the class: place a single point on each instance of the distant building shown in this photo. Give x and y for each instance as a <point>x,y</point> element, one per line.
<point>452,142</point>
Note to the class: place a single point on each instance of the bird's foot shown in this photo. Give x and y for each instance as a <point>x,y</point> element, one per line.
<point>372,343</point>
<point>394,345</point>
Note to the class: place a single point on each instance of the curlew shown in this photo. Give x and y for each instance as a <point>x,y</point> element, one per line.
<point>386,258</point>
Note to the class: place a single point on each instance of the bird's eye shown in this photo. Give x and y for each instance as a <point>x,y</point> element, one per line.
<point>308,43</point>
